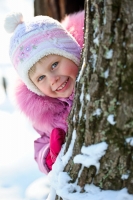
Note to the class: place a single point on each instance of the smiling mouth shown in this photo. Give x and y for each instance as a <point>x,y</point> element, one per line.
<point>62,86</point>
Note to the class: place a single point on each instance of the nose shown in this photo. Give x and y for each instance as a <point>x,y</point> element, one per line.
<point>54,79</point>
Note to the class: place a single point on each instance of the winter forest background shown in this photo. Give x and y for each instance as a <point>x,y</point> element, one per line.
<point>17,167</point>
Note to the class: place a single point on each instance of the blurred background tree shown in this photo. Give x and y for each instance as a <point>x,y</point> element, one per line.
<point>57,8</point>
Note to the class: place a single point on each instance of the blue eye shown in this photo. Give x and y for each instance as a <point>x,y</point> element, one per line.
<point>41,78</point>
<point>54,65</point>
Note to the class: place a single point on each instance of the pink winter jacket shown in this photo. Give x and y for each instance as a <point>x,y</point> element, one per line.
<point>44,112</point>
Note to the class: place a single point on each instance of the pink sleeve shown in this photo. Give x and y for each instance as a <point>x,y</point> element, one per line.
<point>41,146</point>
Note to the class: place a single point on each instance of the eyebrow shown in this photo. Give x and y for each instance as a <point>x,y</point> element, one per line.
<point>32,71</point>
<point>43,58</point>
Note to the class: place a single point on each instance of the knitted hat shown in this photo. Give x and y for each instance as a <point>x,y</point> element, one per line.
<point>35,39</point>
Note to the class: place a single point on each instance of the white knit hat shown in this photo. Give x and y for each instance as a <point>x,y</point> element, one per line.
<point>35,39</point>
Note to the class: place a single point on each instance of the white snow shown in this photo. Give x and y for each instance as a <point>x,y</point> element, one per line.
<point>104,20</point>
<point>91,155</point>
<point>97,112</point>
<point>39,189</point>
<point>106,73</point>
<point>61,185</point>
<point>63,178</point>
<point>92,8</point>
<point>80,171</point>
<point>96,40</point>
<point>109,54</point>
<point>118,19</point>
<point>82,70</point>
<point>95,32</point>
<point>73,118</point>
<point>70,191</point>
<point>82,94</point>
<point>81,101</point>
<point>88,97</point>
<point>124,44</point>
<point>67,156</point>
<point>118,103</point>
<point>110,119</point>
<point>94,60</point>
<point>124,176</point>
<point>12,193</point>
<point>92,189</point>
<point>130,141</point>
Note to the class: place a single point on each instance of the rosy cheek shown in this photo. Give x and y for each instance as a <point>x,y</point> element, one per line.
<point>70,69</point>
<point>74,71</point>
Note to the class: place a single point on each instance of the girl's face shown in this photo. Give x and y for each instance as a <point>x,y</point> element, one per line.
<point>55,76</point>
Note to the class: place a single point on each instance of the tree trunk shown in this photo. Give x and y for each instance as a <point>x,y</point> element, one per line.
<point>103,105</point>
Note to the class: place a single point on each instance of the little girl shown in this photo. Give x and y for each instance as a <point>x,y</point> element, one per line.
<point>46,56</point>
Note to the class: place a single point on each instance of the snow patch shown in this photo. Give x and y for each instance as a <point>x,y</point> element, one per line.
<point>96,40</point>
<point>91,155</point>
<point>60,181</point>
<point>106,73</point>
<point>104,20</point>
<point>130,141</point>
<point>81,71</point>
<point>36,189</point>
<point>124,176</point>
<point>80,171</point>
<point>123,195</point>
<point>97,112</point>
<point>74,118</point>
<point>92,189</point>
<point>88,97</point>
<point>94,59</point>
<point>109,54</point>
<point>65,158</point>
<point>82,94</point>
<point>81,101</point>
<point>63,178</point>
<point>110,119</point>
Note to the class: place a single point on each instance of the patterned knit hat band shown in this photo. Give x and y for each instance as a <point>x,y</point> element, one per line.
<point>39,37</point>
<point>36,43</point>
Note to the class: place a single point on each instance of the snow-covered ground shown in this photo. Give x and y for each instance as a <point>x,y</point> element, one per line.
<point>18,171</point>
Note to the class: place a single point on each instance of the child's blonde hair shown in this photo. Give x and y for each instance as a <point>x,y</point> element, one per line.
<point>33,68</point>
<point>32,71</point>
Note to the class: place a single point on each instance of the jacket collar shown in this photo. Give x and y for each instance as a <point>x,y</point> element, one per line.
<point>69,99</point>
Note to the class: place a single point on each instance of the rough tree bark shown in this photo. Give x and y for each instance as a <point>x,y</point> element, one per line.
<point>105,85</point>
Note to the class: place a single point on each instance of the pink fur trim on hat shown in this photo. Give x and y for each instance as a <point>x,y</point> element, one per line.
<point>74,24</point>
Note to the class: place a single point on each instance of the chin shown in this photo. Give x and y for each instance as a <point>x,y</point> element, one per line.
<point>67,95</point>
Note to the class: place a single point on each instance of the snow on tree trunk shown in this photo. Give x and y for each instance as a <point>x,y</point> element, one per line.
<point>103,107</point>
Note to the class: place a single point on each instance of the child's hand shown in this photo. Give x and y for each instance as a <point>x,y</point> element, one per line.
<point>57,139</point>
